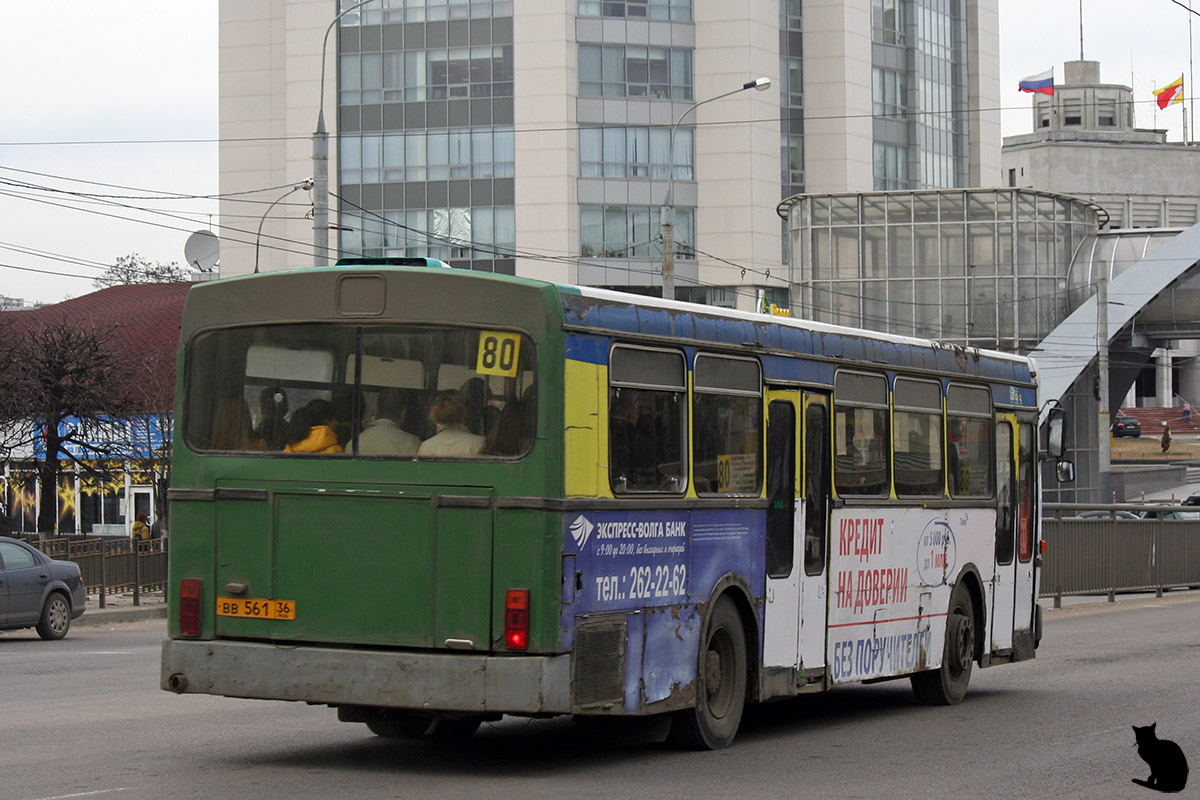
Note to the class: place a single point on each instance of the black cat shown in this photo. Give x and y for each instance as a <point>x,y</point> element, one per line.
<point>1168,767</point>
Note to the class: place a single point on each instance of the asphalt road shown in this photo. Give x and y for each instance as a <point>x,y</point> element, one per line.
<point>84,718</point>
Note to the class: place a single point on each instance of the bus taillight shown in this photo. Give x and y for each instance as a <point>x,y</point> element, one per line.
<point>190,592</point>
<point>516,619</point>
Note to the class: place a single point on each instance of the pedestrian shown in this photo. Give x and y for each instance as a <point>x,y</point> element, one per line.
<point>1187,411</point>
<point>1166,437</point>
<point>141,531</point>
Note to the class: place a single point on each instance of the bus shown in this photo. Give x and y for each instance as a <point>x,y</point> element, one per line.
<point>430,497</point>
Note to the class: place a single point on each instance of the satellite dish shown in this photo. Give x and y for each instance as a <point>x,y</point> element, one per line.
<point>202,250</point>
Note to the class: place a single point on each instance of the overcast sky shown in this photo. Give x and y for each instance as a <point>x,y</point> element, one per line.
<point>145,72</point>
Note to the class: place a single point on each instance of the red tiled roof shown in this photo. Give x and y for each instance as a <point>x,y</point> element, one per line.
<point>145,317</point>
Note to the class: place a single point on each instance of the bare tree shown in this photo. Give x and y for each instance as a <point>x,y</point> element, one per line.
<point>152,425</point>
<point>135,269</point>
<point>67,394</point>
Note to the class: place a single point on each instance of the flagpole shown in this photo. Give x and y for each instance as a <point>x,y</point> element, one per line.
<point>1191,75</point>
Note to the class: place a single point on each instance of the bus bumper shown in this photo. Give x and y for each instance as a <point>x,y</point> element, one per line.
<point>464,682</point>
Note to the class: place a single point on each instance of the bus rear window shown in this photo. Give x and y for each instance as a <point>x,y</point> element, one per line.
<point>351,390</point>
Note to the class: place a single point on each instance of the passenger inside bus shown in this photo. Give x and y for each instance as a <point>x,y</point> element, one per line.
<point>272,423</point>
<point>453,438</point>
<point>310,429</point>
<point>633,448</point>
<point>232,426</point>
<point>387,436</point>
<point>513,431</point>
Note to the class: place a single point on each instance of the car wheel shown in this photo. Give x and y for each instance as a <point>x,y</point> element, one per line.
<point>56,618</point>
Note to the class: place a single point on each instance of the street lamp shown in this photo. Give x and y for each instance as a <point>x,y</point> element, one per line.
<point>305,184</point>
<point>320,159</point>
<point>667,214</point>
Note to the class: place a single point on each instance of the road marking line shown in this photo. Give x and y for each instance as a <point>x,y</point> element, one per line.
<point>85,794</point>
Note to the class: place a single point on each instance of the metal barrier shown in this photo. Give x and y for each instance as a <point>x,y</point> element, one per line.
<point>1106,555</point>
<point>112,565</point>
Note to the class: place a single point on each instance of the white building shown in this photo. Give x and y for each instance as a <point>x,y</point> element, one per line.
<point>533,138</point>
<point>1084,144</point>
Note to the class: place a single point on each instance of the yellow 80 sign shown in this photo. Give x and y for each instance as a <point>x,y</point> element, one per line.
<point>499,352</point>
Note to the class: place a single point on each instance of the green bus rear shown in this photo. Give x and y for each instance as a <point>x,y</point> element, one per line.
<point>348,551</point>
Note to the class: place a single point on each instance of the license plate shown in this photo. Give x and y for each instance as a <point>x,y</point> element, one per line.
<point>255,608</point>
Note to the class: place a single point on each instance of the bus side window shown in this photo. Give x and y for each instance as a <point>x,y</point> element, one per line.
<point>647,420</point>
<point>969,441</point>
<point>860,434</point>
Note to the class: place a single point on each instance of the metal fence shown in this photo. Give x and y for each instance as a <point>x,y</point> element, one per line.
<point>112,565</point>
<point>1106,555</point>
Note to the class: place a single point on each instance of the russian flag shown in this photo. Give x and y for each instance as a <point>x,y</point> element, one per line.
<point>1043,82</point>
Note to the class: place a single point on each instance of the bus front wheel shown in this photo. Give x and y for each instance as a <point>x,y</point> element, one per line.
<point>947,685</point>
<point>720,684</point>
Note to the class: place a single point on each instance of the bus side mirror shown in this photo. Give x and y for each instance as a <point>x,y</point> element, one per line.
<point>1056,424</point>
<point>1066,471</point>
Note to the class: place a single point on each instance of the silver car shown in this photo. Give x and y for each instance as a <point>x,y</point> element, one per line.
<point>38,592</point>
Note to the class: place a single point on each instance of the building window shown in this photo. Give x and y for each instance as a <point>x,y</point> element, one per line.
<point>1106,114</point>
<point>415,75</point>
<point>887,21</point>
<point>632,232</point>
<point>485,232</point>
<point>427,155</point>
<point>631,71</point>
<point>891,166</point>
<point>676,10</point>
<point>423,11</point>
<point>889,89</point>
<point>619,152</point>
<point>1072,114</point>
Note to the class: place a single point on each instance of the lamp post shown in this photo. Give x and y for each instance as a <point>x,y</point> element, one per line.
<point>320,159</point>
<point>305,184</point>
<point>667,213</point>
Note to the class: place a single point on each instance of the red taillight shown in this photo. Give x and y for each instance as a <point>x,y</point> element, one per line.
<point>516,619</point>
<point>190,596</point>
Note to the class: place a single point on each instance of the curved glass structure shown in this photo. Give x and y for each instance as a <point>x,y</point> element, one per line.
<point>984,267</point>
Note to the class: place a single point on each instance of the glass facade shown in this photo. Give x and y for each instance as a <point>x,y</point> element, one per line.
<point>981,267</point>
<point>425,132</point>
<point>918,85</point>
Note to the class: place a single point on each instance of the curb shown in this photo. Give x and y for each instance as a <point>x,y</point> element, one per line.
<point>94,618</point>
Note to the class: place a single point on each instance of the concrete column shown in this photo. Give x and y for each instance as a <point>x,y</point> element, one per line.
<point>1189,371</point>
<point>1164,391</point>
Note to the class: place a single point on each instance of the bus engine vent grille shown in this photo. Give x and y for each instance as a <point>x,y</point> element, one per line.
<point>600,663</point>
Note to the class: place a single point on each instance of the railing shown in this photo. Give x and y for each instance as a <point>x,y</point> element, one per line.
<point>112,565</point>
<point>1106,555</point>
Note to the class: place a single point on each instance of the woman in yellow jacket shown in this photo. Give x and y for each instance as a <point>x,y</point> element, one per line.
<point>141,531</point>
<point>310,430</point>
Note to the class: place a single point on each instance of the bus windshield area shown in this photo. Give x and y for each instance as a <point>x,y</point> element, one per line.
<point>361,390</point>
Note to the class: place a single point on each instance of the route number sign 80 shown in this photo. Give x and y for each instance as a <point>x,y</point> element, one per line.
<point>499,352</point>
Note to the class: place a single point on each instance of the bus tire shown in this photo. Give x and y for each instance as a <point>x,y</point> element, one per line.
<point>947,685</point>
<point>720,684</point>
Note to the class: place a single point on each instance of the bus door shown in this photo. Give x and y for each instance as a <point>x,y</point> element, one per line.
<point>781,634</point>
<point>814,582</point>
<point>797,530</point>
<point>1026,520</point>
<point>1004,588</point>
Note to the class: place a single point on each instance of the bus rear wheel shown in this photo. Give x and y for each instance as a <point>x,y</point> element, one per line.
<point>720,684</point>
<point>947,685</point>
